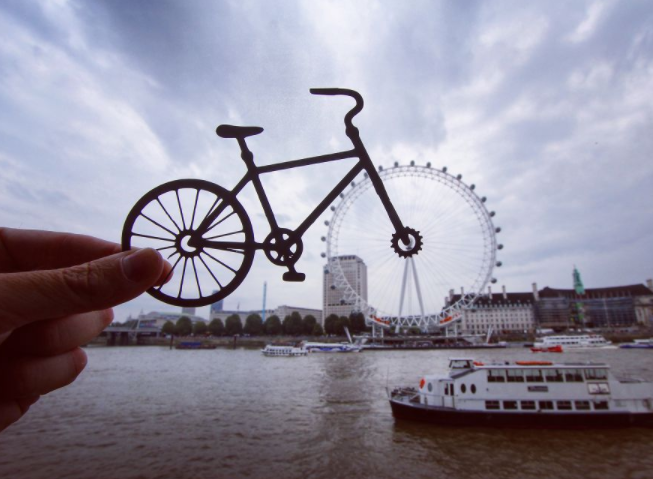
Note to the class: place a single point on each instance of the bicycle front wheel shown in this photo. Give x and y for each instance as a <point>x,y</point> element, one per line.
<point>168,217</point>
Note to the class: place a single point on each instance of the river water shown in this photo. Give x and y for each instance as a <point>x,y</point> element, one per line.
<point>150,412</point>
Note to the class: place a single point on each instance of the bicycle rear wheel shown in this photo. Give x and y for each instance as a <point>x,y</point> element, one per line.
<point>166,219</point>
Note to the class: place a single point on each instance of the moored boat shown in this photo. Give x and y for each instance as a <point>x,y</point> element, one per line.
<point>313,347</point>
<point>580,341</point>
<point>548,349</point>
<point>638,344</point>
<point>526,394</point>
<point>283,350</point>
<point>195,345</point>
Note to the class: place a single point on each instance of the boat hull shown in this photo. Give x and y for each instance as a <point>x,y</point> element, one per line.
<point>522,420</point>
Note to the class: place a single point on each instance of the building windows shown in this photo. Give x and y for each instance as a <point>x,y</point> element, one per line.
<point>582,405</point>
<point>528,405</point>
<point>492,405</point>
<point>574,375</point>
<point>601,406</point>
<point>563,405</point>
<point>546,405</point>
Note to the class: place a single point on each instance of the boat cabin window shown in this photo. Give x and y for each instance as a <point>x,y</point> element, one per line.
<point>574,375</point>
<point>564,405</point>
<point>430,387</point>
<point>492,405</point>
<point>545,405</point>
<point>594,374</point>
<point>473,388</point>
<point>510,405</point>
<point>460,364</point>
<point>528,405</point>
<point>534,376</point>
<point>601,406</point>
<point>582,405</point>
<point>496,376</point>
<point>515,375</point>
<point>553,375</point>
<point>598,388</point>
<point>463,388</point>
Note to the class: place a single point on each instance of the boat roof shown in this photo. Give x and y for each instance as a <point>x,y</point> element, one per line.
<point>540,364</point>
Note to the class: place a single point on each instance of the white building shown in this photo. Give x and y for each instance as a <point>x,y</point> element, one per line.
<point>503,313</point>
<point>333,301</point>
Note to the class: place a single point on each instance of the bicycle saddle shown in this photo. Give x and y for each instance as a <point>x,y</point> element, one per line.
<point>230,131</point>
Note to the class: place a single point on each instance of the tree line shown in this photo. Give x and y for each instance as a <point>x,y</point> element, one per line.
<point>292,325</point>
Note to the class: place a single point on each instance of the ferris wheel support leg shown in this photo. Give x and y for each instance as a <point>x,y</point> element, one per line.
<point>417,288</point>
<point>403,289</point>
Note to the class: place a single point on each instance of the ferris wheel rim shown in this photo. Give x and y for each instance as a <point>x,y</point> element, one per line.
<point>455,183</point>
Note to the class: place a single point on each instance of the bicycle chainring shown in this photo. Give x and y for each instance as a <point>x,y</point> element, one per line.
<point>412,247</point>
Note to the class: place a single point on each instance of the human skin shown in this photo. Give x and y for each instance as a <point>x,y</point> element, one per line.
<point>56,294</point>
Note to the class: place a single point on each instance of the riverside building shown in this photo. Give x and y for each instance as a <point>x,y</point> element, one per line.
<point>616,307</point>
<point>500,312</point>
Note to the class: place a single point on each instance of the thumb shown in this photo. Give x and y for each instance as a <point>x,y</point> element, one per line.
<point>100,284</point>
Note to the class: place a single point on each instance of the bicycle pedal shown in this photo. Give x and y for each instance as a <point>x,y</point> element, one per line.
<point>294,276</point>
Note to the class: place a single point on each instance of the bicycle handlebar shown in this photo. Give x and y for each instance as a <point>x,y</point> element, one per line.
<point>343,91</point>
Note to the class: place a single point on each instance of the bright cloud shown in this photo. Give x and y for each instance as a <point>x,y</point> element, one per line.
<point>546,107</point>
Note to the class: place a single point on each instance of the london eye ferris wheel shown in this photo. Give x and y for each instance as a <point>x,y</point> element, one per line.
<point>459,248</point>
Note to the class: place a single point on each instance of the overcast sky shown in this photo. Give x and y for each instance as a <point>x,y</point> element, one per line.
<point>546,106</point>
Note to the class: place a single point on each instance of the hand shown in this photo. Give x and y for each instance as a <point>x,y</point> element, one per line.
<point>56,294</point>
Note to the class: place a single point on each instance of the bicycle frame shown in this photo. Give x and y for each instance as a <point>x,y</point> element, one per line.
<point>253,175</point>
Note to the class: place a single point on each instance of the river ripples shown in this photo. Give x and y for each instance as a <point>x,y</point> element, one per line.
<point>148,412</point>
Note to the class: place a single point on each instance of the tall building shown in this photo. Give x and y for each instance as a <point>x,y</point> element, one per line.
<point>217,306</point>
<point>335,299</point>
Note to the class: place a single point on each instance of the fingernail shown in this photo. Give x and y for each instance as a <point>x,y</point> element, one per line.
<point>138,266</point>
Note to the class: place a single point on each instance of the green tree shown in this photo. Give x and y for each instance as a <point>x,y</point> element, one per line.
<point>233,325</point>
<point>357,322</point>
<point>199,328</point>
<point>184,326</point>
<point>343,322</point>
<point>317,330</point>
<point>308,323</point>
<point>253,325</point>
<point>273,325</point>
<point>331,324</point>
<point>292,324</point>
<point>168,328</point>
<point>216,327</point>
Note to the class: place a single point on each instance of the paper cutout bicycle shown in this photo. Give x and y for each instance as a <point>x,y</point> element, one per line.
<point>202,227</point>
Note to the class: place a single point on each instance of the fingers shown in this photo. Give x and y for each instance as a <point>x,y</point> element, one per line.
<point>25,250</point>
<point>100,284</point>
<point>51,337</point>
<point>27,377</point>
<point>12,410</point>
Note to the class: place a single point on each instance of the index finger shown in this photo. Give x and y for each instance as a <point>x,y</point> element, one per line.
<point>27,250</point>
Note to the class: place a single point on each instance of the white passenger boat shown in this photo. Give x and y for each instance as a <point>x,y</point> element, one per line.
<point>283,350</point>
<point>638,344</point>
<point>527,394</point>
<point>313,347</point>
<point>581,341</point>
